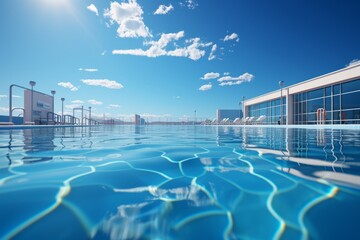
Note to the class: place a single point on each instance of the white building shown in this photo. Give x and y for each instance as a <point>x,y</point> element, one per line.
<point>333,98</point>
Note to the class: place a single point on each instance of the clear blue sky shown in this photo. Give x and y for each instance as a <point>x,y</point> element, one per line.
<point>153,64</point>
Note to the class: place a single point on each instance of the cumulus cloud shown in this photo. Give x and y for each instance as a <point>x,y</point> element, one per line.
<point>94,102</point>
<point>103,83</point>
<point>212,55</point>
<point>128,15</point>
<point>162,9</point>
<point>73,105</point>
<point>158,48</point>
<point>77,101</point>
<point>226,73</point>
<point>210,75</point>
<point>68,85</point>
<point>228,80</point>
<point>205,87</point>
<point>232,36</point>
<point>88,69</point>
<point>353,62</point>
<point>93,8</point>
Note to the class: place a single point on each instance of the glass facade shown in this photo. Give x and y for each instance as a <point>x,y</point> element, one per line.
<point>270,109</point>
<point>341,104</point>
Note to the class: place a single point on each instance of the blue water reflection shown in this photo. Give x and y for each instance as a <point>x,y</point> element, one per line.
<point>179,182</point>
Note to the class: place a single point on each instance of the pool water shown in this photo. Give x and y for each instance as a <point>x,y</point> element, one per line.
<point>179,182</point>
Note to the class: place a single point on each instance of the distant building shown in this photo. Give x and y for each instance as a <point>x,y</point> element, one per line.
<point>138,120</point>
<point>232,114</point>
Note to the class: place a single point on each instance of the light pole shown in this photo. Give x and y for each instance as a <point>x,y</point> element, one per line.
<point>194,117</point>
<point>62,110</point>
<point>32,84</point>
<point>89,115</point>
<point>243,106</point>
<point>53,92</point>
<point>281,84</point>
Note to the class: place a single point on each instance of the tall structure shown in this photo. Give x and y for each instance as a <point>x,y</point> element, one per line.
<point>333,98</point>
<point>137,120</point>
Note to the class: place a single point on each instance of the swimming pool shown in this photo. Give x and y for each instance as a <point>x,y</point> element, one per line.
<point>179,182</point>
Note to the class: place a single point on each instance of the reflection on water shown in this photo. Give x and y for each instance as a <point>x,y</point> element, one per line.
<point>312,152</point>
<point>179,182</point>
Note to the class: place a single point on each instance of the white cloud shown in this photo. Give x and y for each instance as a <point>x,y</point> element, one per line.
<point>231,37</point>
<point>14,96</point>
<point>94,102</point>
<point>163,9</point>
<point>68,85</point>
<point>88,69</point>
<point>205,87</point>
<point>4,109</point>
<point>158,48</point>
<point>128,15</point>
<point>353,62</point>
<point>71,106</point>
<point>191,4</point>
<point>226,73</point>
<point>103,83</point>
<point>114,106</point>
<point>93,8</point>
<point>228,80</point>
<point>103,53</point>
<point>210,75</point>
<point>77,101</point>
<point>212,55</point>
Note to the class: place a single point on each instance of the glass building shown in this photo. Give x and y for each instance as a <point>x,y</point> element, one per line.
<point>333,98</point>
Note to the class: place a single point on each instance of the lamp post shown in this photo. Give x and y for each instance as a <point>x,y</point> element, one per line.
<point>281,84</point>
<point>53,92</point>
<point>89,115</point>
<point>243,106</point>
<point>32,84</point>
<point>62,110</point>
<point>194,117</point>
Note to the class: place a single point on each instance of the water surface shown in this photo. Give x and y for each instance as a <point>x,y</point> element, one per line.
<point>179,182</point>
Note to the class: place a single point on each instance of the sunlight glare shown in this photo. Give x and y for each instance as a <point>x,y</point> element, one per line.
<point>55,3</point>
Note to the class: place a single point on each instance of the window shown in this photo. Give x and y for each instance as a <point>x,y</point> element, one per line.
<point>350,86</point>
<point>314,105</point>
<point>315,93</point>
<point>328,91</point>
<point>336,89</point>
<point>328,104</point>
<point>336,103</point>
<point>350,100</point>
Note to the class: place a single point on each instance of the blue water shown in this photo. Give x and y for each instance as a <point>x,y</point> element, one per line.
<point>179,182</point>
